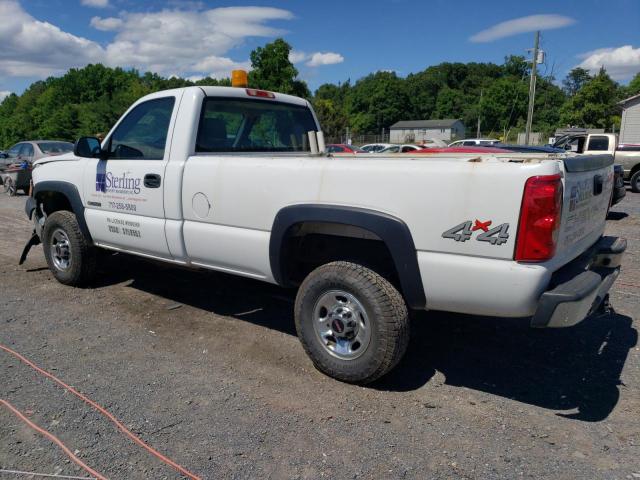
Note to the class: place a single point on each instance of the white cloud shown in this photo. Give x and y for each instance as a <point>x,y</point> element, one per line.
<point>4,94</point>
<point>95,3</point>
<point>106,24</point>
<point>220,67</point>
<point>522,25</point>
<point>34,48</point>
<point>621,63</point>
<point>324,58</point>
<point>316,59</point>
<point>178,40</point>
<point>189,41</point>
<point>296,56</point>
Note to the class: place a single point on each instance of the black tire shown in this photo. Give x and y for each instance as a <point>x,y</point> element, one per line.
<point>387,317</point>
<point>81,256</point>
<point>635,182</point>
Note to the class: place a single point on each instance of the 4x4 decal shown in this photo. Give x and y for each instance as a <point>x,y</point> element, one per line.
<point>464,231</point>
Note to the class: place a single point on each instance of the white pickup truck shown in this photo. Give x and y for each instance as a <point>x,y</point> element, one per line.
<point>226,179</point>
<point>627,156</point>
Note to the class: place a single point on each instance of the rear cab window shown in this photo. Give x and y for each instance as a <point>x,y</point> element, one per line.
<point>598,143</point>
<point>251,125</point>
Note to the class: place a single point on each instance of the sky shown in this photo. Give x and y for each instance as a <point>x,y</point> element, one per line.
<point>332,40</point>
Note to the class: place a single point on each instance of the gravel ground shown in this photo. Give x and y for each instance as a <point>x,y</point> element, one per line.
<point>207,369</point>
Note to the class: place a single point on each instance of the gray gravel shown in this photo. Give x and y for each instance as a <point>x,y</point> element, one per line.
<point>207,369</point>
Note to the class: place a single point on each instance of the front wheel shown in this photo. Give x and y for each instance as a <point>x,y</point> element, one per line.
<point>69,256</point>
<point>351,321</point>
<point>635,182</point>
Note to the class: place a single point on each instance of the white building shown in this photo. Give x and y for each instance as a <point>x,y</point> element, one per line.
<point>416,131</point>
<point>630,125</point>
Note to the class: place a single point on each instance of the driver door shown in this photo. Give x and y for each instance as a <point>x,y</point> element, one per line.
<point>124,195</point>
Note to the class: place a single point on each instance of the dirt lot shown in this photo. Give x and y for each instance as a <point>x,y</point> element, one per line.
<point>206,368</point>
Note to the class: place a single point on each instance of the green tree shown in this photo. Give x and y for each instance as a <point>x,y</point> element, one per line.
<point>377,101</point>
<point>272,70</point>
<point>632,89</point>
<point>594,105</point>
<point>575,80</point>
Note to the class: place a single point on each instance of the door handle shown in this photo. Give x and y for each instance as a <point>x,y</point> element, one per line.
<point>597,185</point>
<point>152,180</point>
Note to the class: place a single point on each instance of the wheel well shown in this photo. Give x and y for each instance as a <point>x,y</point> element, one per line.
<point>308,245</point>
<point>52,202</point>
<point>635,168</point>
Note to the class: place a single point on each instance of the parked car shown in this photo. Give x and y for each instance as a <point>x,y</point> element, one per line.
<point>343,148</point>
<point>471,142</point>
<point>400,149</point>
<point>596,143</point>
<point>362,239</point>
<point>433,143</point>
<point>33,150</point>
<point>484,150</point>
<point>375,147</point>
<point>528,148</point>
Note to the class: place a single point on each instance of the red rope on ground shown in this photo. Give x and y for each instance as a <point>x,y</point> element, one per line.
<point>104,412</point>
<point>54,439</point>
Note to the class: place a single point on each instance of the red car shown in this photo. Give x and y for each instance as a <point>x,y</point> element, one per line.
<point>463,150</point>
<point>343,148</point>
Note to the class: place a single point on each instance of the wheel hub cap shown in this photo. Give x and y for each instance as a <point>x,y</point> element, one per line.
<point>341,324</point>
<point>60,250</point>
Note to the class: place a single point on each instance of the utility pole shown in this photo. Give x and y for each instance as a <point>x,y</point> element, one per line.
<point>479,112</point>
<point>532,88</point>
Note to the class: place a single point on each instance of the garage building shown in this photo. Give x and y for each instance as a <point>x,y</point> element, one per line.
<point>415,131</point>
<point>630,125</point>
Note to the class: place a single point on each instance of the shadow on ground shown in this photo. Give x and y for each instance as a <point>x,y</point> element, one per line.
<point>575,370</point>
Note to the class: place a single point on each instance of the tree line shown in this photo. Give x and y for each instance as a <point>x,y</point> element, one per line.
<point>89,100</point>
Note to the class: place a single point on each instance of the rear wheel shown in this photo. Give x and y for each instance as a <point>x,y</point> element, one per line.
<point>351,321</point>
<point>70,258</point>
<point>635,182</point>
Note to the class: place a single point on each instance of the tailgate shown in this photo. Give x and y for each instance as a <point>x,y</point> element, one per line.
<point>588,183</point>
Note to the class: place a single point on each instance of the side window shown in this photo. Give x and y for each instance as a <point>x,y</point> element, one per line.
<point>15,150</point>
<point>469,144</point>
<point>599,143</point>
<point>27,150</point>
<point>143,132</point>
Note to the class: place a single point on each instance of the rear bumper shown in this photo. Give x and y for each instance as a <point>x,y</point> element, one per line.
<point>579,288</point>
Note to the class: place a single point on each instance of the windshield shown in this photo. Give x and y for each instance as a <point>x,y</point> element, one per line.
<point>241,125</point>
<point>55,147</point>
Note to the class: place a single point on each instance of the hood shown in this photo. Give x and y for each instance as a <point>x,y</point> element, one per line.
<point>65,157</point>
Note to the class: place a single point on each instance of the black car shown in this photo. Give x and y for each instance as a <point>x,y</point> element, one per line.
<point>528,148</point>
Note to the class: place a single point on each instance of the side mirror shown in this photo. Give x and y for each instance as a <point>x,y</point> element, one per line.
<point>88,147</point>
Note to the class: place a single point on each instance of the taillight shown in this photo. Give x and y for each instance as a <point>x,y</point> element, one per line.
<point>252,92</point>
<point>539,219</point>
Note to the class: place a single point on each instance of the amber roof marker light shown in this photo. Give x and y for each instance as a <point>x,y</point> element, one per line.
<point>239,79</point>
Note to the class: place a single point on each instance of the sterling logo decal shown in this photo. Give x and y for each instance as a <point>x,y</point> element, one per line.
<point>107,182</point>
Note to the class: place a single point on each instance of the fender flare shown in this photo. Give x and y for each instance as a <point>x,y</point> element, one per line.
<point>391,230</point>
<point>71,193</point>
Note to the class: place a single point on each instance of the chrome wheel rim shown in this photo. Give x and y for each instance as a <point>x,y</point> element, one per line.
<point>341,324</point>
<point>60,249</point>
